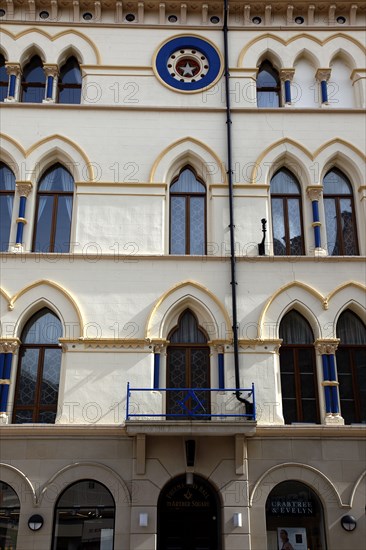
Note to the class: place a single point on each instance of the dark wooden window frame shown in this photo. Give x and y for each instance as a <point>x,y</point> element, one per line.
<point>297,376</point>
<point>285,198</point>
<point>351,349</point>
<point>55,195</point>
<point>270,89</point>
<point>337,198</point>
<point>37,408</point>
<point>187,202</point>
<point>25,84</point>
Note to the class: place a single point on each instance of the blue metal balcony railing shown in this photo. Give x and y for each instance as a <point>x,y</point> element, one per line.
<point>191,404</point>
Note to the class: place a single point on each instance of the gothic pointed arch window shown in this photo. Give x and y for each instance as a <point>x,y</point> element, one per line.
<point>54,211</point>
<point>38,374</point>
<point>4,79</point>
<point>268,86</point>
<point>84,517</point>
<point>298,370</point>
<point>351,367</point>
<point>187,214</point>
<point>69,82</point>
<point>286,214</point>
<point>340,219</point>
<point>33,81</point>
<point>188,367</point>
<point>7,190</point>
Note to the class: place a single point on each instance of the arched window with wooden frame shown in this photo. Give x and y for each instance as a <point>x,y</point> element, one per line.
<point>84,517</point>
<point>268,86</point>
<point>188,214</point>
<point>286,204</point>
<point>54,211</point>
<point>69,82</point>
<point>188,367</point>
<point>33,81</point>
<point>4,79</point>
<point>7,190</point>
<point>340,220</point>
<point>298,370</point>
<point>38,375</point>
<point>351,367</point>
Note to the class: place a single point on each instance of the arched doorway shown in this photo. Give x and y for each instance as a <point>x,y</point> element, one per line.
<point>188,367</point>
<point>189,516</point>
<point>295,518</point>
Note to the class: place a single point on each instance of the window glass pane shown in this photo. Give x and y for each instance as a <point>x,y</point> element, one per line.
<point>293,206</point>
<point>197,225</point>
<point>43,328</point>
<point>28,377</point>
<point>285,183</point>
<point>63,224</point>
<point>51,376</point>
<point>348,232</point>
<point>6,209</point>
<point>278,224</point>
<point>306,360</point>
<point>294,329</point>
<point>350,329</point>
<point>57,178</point>
<point>178,225</point>
<point>9,517</point>
<point>267,76</point>
<point>33,71</point>
<point>188,331</point>
<point>33,81</point>
<point>3,79</point>
<point>23,416</point>
<point>44,224</point>
<point>348,411</point>
<point>360,362</point>
<point>336,183</point>
<point>85,518</point>
<point>7,178</point>
<point>309,411</point>
<point>331,226</point>
<point>268,99</point>
<point>69,95</point>
<point>46,417</point>
<point>187,183</point>
<point>70,72</point>
<point>289,410</point>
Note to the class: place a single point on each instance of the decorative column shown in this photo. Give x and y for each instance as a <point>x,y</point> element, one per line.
<point>23,189</point>
<point>326,348</point>
<point>322,76</point>
<point>286,76</point>
<point>14,72</point>
<point>7,349</point>
<point>314,193</point>
<point>159,349</point>
<point>51,72</point>
<point>358,77</point>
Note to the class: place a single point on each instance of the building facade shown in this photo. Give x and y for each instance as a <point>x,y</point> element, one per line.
<point>183,283</point>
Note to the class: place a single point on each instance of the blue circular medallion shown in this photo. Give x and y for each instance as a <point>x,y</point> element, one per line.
<point>188,63</point>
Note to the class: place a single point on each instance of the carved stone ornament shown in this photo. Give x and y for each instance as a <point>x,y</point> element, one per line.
<point>24,188</point>
<point>287,74</point>
<point>8,346</point>
<point>13,68</point>
<point>327,347</point>
<point>50,70</point>
<point>314,193</point>
<point>323,74</point>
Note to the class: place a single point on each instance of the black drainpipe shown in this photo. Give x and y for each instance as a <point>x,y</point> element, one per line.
<point>231,208</point>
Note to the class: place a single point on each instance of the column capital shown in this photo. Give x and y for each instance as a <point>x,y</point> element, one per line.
<point>24,188</point>
<point>326,346</point>
<point>323,74</point>
<point>50,69</point>
<point>13,68</point>
<point>287,74</point>
<point>9,345</point>
<point>314,192</point>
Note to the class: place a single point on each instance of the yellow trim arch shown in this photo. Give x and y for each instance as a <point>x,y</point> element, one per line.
<point>174,289</point>
<point>195,141</point>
